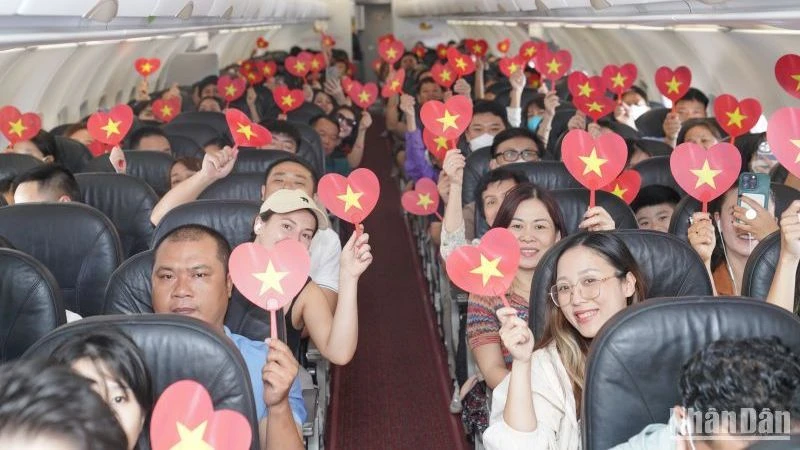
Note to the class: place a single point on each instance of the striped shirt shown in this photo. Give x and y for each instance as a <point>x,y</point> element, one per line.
<point>483,326</point>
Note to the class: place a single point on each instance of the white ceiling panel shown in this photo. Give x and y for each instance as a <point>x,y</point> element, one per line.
<point>51,8</point>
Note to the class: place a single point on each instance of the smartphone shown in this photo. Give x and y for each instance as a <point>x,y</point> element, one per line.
<point>332,73</point>
<point>755,186</point>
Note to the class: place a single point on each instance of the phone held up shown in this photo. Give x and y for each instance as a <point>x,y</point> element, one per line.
<point>755,186</point>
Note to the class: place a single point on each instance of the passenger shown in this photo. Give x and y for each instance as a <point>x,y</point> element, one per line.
<point>352,132</point>
<point>190,277</point>
<point>45,407</point>
<point>42,147</point>
<point>539,113</point>
<point>284,136</point>
<point>7,190</point>
<point>150,138</point>
<point>515,145</point>
<point>417,164</point>
<point>756,153</point>
<point>324,101</point>
<point>182,169</point>
<point>703,132</point>
<point>785,291</point>
<point>211,103</point>
<point>327,128</point>
<point>693,105</point>
<point>726,258</point>
<point>115,366</point>
<point>729,377</point>
<point>143,110</point>
<point>634,104</point>
<point>488,120</point>
<point>426,89</point>
<point>641,149</point>
<point>46,183</point>
<point>538,406</point>
<point>207,87</point>
<point>80,133</point>
<point>653,207</point>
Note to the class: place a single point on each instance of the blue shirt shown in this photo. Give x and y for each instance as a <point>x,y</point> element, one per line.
<point>255,356</point>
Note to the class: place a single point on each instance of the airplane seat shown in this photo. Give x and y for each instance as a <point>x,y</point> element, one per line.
<point>233,219</point>
<point>13,164</point>
<point>200,133</point>
<point>778,174</point>
<point>3,201</point>
<point>760,268</point>
<point>150,166</point>
<point>557,130</point>
<point>184,147</point>
<point>310,147</point>
<point>31,306</point>
<point>59,130</point>
<point>175,348</point>
<point>251,160</point>
<point>638,378</point>
<point>651,123</point>
<point>305,113</point>
<point>130,291</point>
<point>656,171</point>
<point>5,244</point>
<point>127,201</point>
<point>209,119</point>
<point>72,154</point>
<point>475,166</point>
<point>77,243</point>
<point>679,225</point>
<point>548,174</point>
<point>236,186</point>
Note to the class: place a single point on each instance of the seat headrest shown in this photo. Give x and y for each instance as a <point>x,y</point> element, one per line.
<point>4,243</point>
<point>651,123</point>
<point>175,348</point>
<point>32,305</point>
<point>77,243</point>
<point>199,133</point>
<point>574,203</point>
<point>13,164</point>
<point>635,361</point>
<point>549,175</point>
<point>671,268</point>
<point>656,171</point>
<point>127,201</point>
<point>130,291</point>
<point>184,147</point>
<point>72,154</point>
<point>257,161</point>
<point>209,119</point>
<point>476,165</point>
<point>760,267</point>
<point>557,129</point>
<point>234,219</point>
<point>310,147</point>
<point>236,186</point>
<point>152,167</point>
<point>305,113</point>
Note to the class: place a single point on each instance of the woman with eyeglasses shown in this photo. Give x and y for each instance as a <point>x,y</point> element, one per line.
<point>538,405</point>
<point>352,132</point>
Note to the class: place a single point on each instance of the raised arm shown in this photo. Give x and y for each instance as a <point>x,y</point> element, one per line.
<point>357,153</point>
<point>279,429</point>
<point>784,282</point>
<point>517,337</point>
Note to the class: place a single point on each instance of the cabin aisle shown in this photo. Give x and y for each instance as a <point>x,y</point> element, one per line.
<point>396,391</point>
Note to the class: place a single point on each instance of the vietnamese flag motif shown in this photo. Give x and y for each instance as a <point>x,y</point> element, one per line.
<point>619,79</point>
<point>595,107</point>
<point>353,198</point>
<point>394,85</point>
<point>673,84</point>
<point>231,89</point>
<point>328,40</point>
<point>386,38</point>
<point>735,117</point>
<point>363,95</point>
<point>317,63</point>
<point>529,49</point>
<point>594,163</point>
<point>18,127</point>
<point>448,119</point>
<point>787,72</point>
<point>626,186</point>
<point>110,128</point>
<point>783,135</point>
<point>377,64</point>
<point>244,132</point>
<point>269,69</point>
<point>166,110</point>
<point>504,45</point>
<point>287,100</point>
<point>184,417</point>
<point>443,75</point>
<point>262,43</point>
<point>423,200</point>
<point>486,269</point>
<point>553,65</point>
<point>477,47</point>
<point>461,63</point>
<point>584,86</point>
<point>509,65</point>
<point>436,145</point>
<point>146,66</point>
<point>255,77</point>
<point>246,67</point>
<point>420,51</point>
<point>705,175</point>
<point>391,51</point>
<point>347,85</point>
<point>297,66</point>
<point>441,51</point>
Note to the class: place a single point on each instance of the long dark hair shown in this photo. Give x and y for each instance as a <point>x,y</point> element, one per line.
<point>527,191</point>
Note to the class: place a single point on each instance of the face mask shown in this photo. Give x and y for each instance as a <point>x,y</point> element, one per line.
<point>533,122</point>
<point>637,110</point>
<point>484,140</point>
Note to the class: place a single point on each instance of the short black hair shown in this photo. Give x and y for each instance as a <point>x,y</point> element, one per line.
<point>193,232</point>
<point>491,107</point>
<point>654,194</point>
<point>276,126</point>
<point>708,123</point>
<point>143,132</point>
<point>39,399</point>
<point>211,79</point>
<point>495,176</point>
<point>214,98</point>
<point>635,89</point>
<point>511,133</point>
<point>46,144</point>
<point>423,81</point>
<point>327,117</point>
<point>696,95</point>
<point>53,178</point>
<point>295,159</point>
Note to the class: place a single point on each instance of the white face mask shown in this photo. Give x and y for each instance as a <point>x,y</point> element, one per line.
<point>637,110</point>
<point>484,140</point>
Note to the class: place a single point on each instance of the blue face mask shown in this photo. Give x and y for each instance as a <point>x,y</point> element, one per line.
<point>533,122</point>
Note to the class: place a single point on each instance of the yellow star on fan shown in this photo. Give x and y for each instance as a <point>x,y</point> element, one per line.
<point>391,53</point>
<point>448,120</point>
<point>146,67</point>
<point>618,191</point>
<point>394,85</point>
<point>705,175</point>
<point>796,143</point>
<point>363,96</point>
<point>530,51</point>
<point>230,90</point>
<point>594,106</point>
<point>267,70</point>
<point>735,117</point>
<point>270,279</point>
<point>192,439</point>
<point>246,130</point>
<point>251,76</point>
<point>299,66</point>
<point>585,89</point>
<point>513,68</point>
<point>477,49</point>
<point>673,85</point>
<point>593,163</point>
<point>461,64</point>
<point>618,80</point>
<point>441,142</point>
<point>350,199</point>
<point>111,127</point>
<point>446,75</point>
<point>553,66</point>
<point>287,100</point>
<point>314,64</point>
<point>488,269</point>
<point>424,200</point>
<point>17,127</point>
<point>797,78</point>
<point>166,111</point>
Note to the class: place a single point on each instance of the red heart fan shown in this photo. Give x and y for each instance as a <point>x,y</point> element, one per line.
<point>441,51</point>
<point>504,45</point>
<point>18,127</point>
<point>593,162</point>
<point>231,89</point>
<point>269,69</point>
<point>509,65</point>
<point>783,135</point>
<point>317,63</point>
<point>529,49</point>
<point>461,63</point>
<point>581,85</point>
<point>297,66</point>
<point>448,119</point>
<point>594,107</point>
<point>436,145</point>
<point>735,117</point>
<point>489,268</point>
<point>166,110</point>
<point>478,47</point>
<point>626,186</point>
<point>353,198</point>
<point>262,43</point>
<point>443,75</point>
<point>705,175</point>
<point>394,84</point>
<point>364,95</point>
<point>146,66</point>
<point>287,100</point>
<point>110,128</point>
<point>328,40</point>
<point>246,133</point>
<point>347,85</point>
<point>673,84</point>
<point>423,200</point>
<point>619,79</point>
<point>391,52</point>
<point>787,72</point>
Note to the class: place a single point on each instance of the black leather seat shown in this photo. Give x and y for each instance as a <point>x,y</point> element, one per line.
<point>557,129</point>
<point>130,292</point>
<point>305,113</point>
<point>197,132</point>
<point>651,123</point>
<point>72,154</point>
<point>310,147</point>
<point>77,243</point>
<point>232,218</point>
<point>127,201</point>
<point>257,161</point>
<point>760,268</point>
<point>547,174</point>
<point>778,174</point>
<point>476,165</point>
<point>236,186</point>
<point>670,266</point>
<point>210,119</point>
<point>152,167</point>
<point>185,147</point>
<point>656,171</point>
<point>30,303</point>
<point>176,348</point>
<point>13,164</point>
<point>635,361</point>
<point>4,243</point>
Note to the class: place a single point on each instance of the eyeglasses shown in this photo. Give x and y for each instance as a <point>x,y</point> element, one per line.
<point>347,121</point>
<point>514,155</point>
<point>588,288</point>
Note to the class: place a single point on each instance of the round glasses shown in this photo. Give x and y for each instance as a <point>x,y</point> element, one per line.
<point>588,288</point>
<point>514,155</point>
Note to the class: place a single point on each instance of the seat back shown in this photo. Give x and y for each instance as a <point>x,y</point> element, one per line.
<point>305,113</point>
<point>651,123</point>
<point>209,119</point>
<point>476,165</point>
<point>557,129</point>
<point>671,268</point>
<point>175,348</point>
<point>185,147</point>
<point>233,219</point>
<point>13,164</point>
<point>197,132</point>
<point>152,167</point>
<point>760,269</point>
<point>310,147</point>
<point>72,154</point>
<point>656,171</point>
<point>636,360</point>
<point>236,186</point>
<point>77,243</point>
<point>127,201</point>
<point>30,303</point>
<point>257,161</point>
<point>548,175</point>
